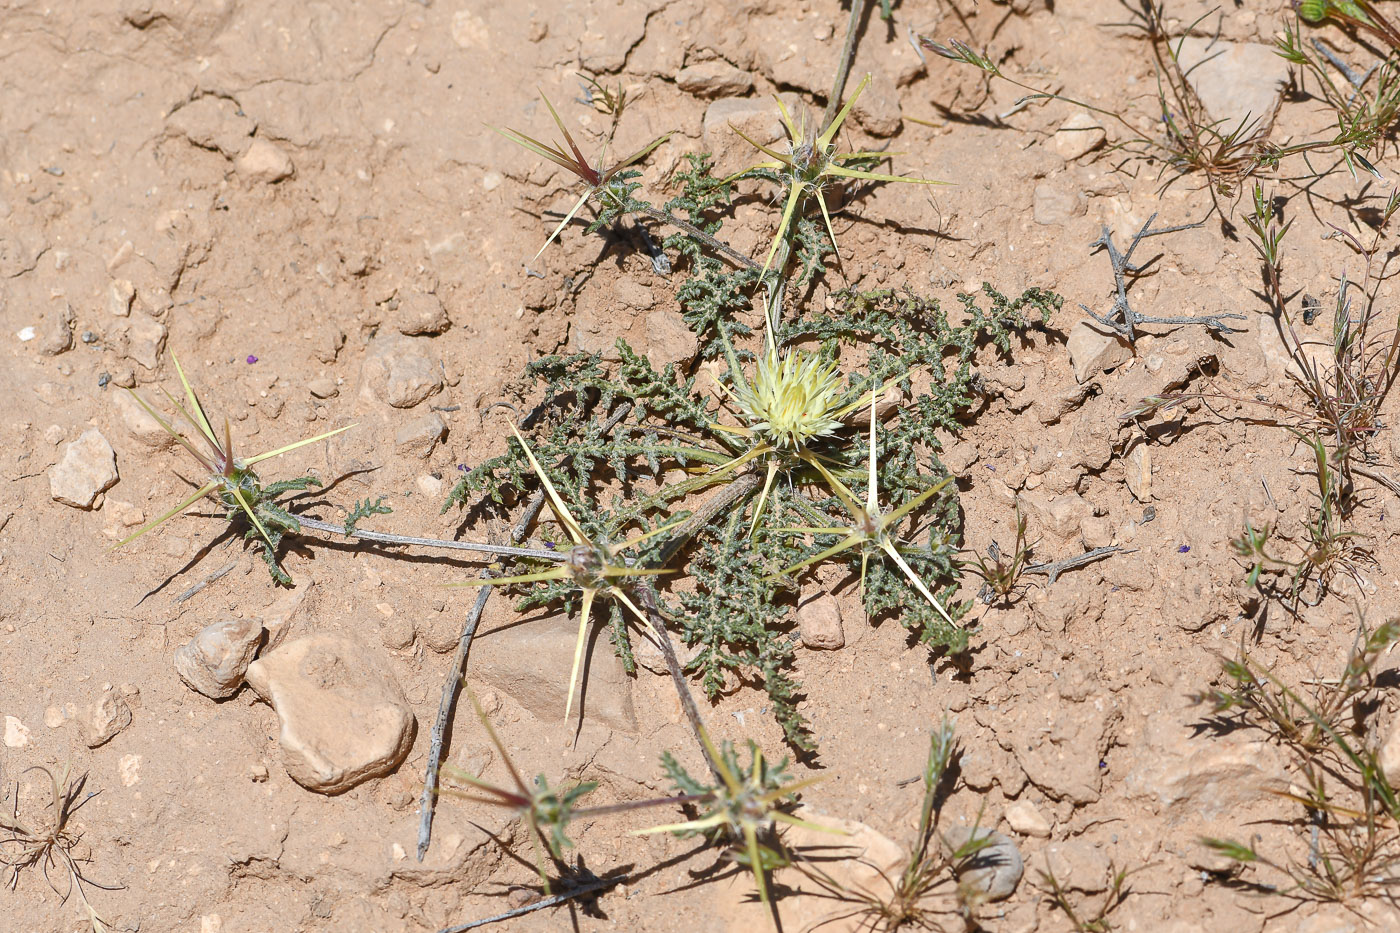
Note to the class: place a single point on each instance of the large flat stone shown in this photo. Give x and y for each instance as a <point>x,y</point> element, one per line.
<point>531,662</point>
<point>344,717</point>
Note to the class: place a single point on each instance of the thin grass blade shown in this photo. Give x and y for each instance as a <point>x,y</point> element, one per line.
<point>200,492</point>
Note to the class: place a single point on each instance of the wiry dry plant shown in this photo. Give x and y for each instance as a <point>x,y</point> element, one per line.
<point>52,845</point>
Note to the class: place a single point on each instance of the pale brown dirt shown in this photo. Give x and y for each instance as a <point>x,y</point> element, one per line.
<point>120,125</point>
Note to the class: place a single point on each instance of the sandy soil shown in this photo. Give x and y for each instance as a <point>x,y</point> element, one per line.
<point>262,187</point>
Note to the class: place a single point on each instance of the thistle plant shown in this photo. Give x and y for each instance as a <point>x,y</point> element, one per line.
<point>743,810</point>
<point>609,185</point>
<point>873,531</point>
<point>545,811</point>
<point>811,166</point>
<point>794,399</point>
<point>590,567</point>
<point>657,443</point>
<point>232,482</point>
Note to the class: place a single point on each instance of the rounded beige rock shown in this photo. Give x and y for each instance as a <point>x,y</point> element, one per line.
<point>344,717</point>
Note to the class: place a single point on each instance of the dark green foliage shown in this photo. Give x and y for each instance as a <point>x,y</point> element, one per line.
<point>624,477</point>
<point>275,519</point>
<point>362,510</point>
<point>735,616</point>
<point>711,297</point>
<point>663,393</point>
<point>713,291</point>
<point>701,194</point>
<point>887,590</point>
<point>811,246</point>
<point>617,199</point>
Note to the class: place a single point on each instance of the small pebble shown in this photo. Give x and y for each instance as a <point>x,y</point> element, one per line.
<point>129,767</point>
<point>88,467</point>
<point>106,717</point>
<point>214,661</point>
<point>1023,817</point>
<point>996,869</point>
<point>819,621</point>
<point>16,733</point>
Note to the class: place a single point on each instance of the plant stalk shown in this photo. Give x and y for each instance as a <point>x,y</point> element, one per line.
<point>381,537</point>
<point>843,68</point>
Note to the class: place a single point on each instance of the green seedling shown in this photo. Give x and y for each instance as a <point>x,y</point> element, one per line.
<point>1350,807</point>
<point>597,182</point>
<point>1365,109</point>
<point>1253,546</point>
<point>743,809</point>
<point>1260,699</point>
<point>931,867</point>
<point>610,102</point>
<point>873,531</point>
<point>591,567</point>
<point>1083,921</point>
<point>1330,549</point>
<point>811,166</point>
<point>231,482</point>
<point>54,845</point>
<point>1001,576</point>
<point>1268,237</point>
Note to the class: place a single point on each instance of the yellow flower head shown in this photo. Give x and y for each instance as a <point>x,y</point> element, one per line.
<point>793,399</point>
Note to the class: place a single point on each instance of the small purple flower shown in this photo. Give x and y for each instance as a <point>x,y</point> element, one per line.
<point>1183,549</point>
<point>549,545</point>
<point>461,468</point>
<point>252,359</point>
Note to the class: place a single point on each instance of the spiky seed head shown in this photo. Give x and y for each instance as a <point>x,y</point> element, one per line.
<point>241,478</point>
<point>586,566</point>
<point>792,398</point>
